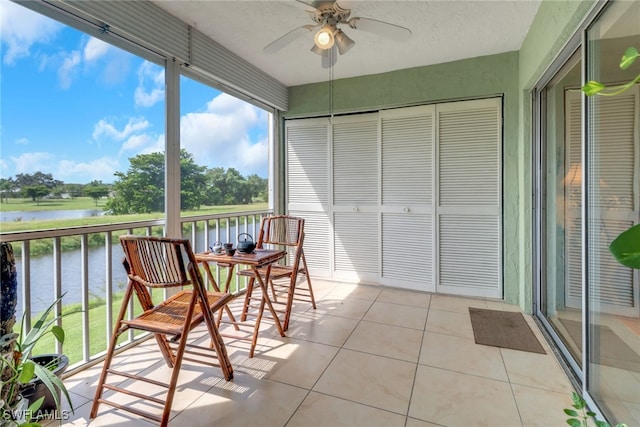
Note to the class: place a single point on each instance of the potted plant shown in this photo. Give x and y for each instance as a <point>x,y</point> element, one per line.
<point>580,415</point>
<point>32,380</point>
<point>20,371</point>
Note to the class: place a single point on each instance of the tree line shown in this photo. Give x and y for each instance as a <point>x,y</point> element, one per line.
<point>141,188</point>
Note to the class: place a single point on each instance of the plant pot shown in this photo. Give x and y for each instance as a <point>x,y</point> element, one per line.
<point>37,389</point>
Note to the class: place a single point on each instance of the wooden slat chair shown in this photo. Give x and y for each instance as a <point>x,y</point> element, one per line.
<point>161,263</point>
<point>283,232</point>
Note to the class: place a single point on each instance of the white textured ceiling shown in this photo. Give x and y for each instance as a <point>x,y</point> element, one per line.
<point>442,31</point>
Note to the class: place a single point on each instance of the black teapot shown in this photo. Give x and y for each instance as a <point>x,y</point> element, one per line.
<point>246,245</point>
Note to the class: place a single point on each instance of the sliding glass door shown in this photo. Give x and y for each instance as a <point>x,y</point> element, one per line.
<point>588,186</point>
<point>562,214</point>
<point>612,126</point>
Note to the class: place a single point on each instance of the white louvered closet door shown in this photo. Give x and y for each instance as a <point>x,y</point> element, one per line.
<point>308,188</point>
<point>355,197</point>
<point>614,201</point>
<point>469,194</point>
<point>407,212</point>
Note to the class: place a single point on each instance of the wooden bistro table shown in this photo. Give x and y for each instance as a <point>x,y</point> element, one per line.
<point>258,258</point>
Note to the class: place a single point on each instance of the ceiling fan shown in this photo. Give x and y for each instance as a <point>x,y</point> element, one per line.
<point>327,16</point>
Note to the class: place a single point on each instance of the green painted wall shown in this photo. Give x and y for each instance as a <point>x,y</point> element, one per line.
<point>511,75</point>
<point>470,78</point>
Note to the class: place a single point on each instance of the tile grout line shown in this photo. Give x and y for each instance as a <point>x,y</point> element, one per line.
<point>415,372</point>
<point>329,364</point>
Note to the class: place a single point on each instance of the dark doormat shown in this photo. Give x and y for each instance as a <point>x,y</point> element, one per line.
<point>608,348</point>
<point>505,329</point>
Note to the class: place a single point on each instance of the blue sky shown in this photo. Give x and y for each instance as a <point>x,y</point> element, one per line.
<point>78,108</point>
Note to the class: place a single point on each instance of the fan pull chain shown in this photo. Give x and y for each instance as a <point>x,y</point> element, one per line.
<point>331,87</point>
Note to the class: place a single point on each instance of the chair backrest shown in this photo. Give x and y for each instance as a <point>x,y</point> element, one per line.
<point>159,262</point>
<point>282,232</point>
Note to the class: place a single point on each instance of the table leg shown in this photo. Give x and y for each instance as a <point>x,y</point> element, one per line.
<point>266,300</point>
<point>214,284</point>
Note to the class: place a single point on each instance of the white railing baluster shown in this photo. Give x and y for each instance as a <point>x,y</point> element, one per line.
<point>110,231</point>
<point>26,283</point>
<point>57,283</point>
<point>84,261</point>
<point>108,280</point>
<point>194,234</point>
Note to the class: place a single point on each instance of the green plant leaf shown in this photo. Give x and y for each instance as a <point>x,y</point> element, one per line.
<point>578,401</point>
<point>574,423</point>
<point>40,327</point>
<point>626,247</point>
<point>629,57</point>
<point>51,381</point>
<point>58,332</point>
<point>27,372</point>
<point>592,87</point>
<point>36,405</point>
<point>571,412</point>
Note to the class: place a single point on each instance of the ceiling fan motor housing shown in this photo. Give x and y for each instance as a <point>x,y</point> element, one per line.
<point>329,12</point>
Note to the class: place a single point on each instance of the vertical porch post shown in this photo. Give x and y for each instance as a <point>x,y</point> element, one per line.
<point>172,149</point>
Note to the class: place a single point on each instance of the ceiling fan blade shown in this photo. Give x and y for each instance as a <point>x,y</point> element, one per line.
<point>284,40</point>
<point>385,29</point>
<point>306,4</point>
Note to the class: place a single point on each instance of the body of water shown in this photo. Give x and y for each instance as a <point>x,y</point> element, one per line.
<point>46,215</point>
<point>42,270</point>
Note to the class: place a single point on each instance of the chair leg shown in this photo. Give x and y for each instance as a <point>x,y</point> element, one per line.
<point>215,340</point>
<point>256,329</point>
<point>306,274</point>
<point>109,356</point>
<point>290,294</point>
<point>166,413</point>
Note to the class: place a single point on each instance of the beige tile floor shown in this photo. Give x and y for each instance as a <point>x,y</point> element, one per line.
<point>368,356</point>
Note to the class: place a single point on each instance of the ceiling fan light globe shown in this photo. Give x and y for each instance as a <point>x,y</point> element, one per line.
<point>324,38</point>
<point>343,42</point>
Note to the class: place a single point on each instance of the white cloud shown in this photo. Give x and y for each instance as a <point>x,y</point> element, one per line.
<point>65,170</point>
<point>150,88</point>
<point>133,135</point>
<point>108,130</point>
<point>140,143</point>
<point>30,162</point>
<point>221,136</point>
<point>80,172</point>
<point>95,49</point>
<point>20,28</point>
<point>22,141</point>
<point>69,68</point>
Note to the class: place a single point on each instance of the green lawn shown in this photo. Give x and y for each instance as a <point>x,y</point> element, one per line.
<point>27,205</point>
<point>16,226</point>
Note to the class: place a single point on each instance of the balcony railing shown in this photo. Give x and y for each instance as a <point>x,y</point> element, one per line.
<point>84,265</point>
